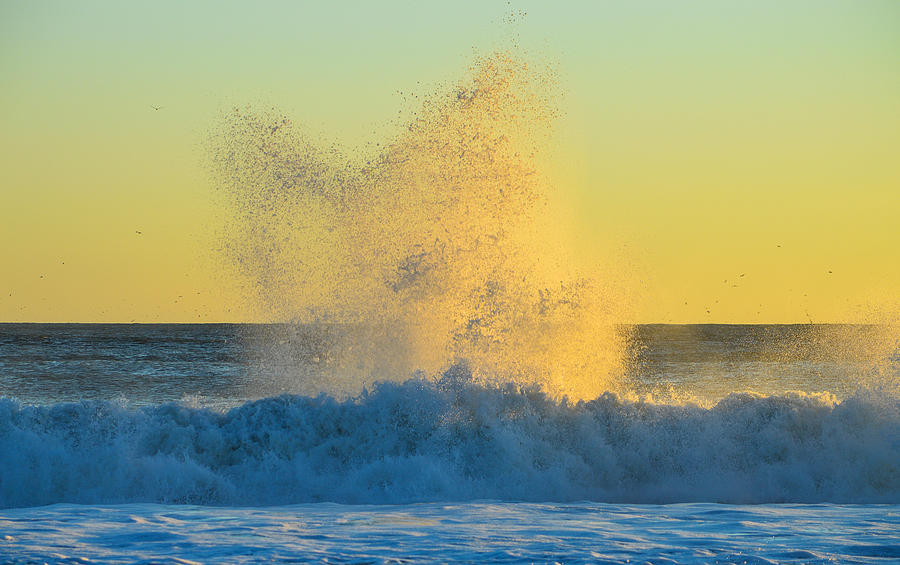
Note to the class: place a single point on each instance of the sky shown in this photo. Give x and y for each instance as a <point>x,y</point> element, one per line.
<point>741,159</point>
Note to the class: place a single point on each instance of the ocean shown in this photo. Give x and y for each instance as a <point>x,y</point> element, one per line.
<point>241,443</point>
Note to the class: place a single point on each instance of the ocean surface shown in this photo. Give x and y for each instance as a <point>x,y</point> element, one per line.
<point>241,443</point>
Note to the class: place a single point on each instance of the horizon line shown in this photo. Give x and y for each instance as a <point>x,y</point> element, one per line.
<point>807,323</point>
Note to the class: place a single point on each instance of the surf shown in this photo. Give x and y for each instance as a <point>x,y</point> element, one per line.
<point>454,439</point>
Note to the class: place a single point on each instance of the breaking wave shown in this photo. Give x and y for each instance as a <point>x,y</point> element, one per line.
<point>454,440</point>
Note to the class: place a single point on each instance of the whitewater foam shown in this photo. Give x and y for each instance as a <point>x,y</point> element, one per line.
<point>454,440</point>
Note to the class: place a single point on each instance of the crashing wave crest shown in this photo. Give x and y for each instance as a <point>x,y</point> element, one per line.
<point>453,439</point>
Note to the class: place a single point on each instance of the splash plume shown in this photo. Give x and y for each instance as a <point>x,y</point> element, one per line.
<point>441,250</point>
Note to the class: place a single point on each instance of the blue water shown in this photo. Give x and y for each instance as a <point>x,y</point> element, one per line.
<point>733,444</point>
<point>496,532</point>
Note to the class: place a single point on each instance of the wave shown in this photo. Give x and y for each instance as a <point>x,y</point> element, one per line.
<point>453,440</point>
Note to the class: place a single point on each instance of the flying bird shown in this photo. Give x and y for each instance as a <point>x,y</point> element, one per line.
<point>156,107</point>
<point>138,232</point>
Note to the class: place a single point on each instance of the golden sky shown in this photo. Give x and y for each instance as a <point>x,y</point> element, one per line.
<point>699,142</point>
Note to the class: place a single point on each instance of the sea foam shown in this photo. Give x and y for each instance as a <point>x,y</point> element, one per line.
<point>454,440</point>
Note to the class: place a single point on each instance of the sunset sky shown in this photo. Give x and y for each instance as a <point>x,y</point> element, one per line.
<point>705,144</point>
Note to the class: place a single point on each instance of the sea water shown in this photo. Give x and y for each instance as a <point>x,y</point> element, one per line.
<point>208,443</point>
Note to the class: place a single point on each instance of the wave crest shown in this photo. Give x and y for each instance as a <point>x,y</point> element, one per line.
<point>454,440</point>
